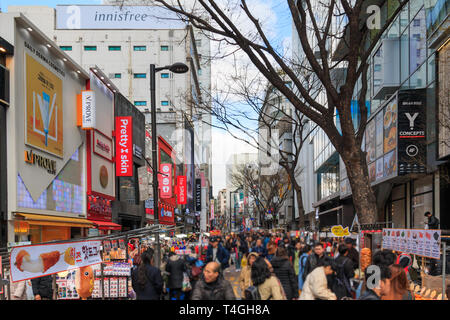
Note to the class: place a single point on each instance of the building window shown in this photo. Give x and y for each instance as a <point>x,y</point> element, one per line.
<point>140,48</point>
<point>140,75</point>
<point>422,200</point>
<point>114,48</point>
<point>164,48</point>
<point>164,75</point>
<point>90,48</point>
<point>198,42</point>
<point>140,103</point>
<point>164,103</point>
<point>199,72</point>
<point>66,48</point>
<point>117,75</point>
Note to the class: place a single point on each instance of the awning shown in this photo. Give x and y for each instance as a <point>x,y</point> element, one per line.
<point>46,220</point>
<point>103,225</point>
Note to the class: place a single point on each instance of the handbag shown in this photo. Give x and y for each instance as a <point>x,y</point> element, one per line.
<point>186,284</point>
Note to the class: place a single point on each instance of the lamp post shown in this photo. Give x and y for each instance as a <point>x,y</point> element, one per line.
<point>175,68</point>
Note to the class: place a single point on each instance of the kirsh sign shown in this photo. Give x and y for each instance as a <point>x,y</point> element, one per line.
<point>124,146</point>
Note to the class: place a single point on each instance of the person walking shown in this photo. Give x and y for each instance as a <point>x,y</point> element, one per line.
<point>284,271</point>
<point>314,259</point>
<point>175,268</point>
<point>217,253</point>
<point>245,277</point>
<point>271,250</point>
<point>316,285</point>
<point>212,285</point>
<point>43,288</point>
<point>241,248</point>
<point>259,248</point>
<point>296,256</point>
<point>146,279</point>
<point>433,222</point>
<point>269,287</point>
<point>306,251</point>
<point>344,272</point>
<point>19,290</point>
<point>353,254</point>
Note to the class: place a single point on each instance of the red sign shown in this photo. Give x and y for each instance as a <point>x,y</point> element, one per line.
<point>124,147</point>
<point>165,180</point>
<point>99,208</point>
<point>181,189</point>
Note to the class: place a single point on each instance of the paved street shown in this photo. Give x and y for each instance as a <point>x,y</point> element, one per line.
<point>233,276</point>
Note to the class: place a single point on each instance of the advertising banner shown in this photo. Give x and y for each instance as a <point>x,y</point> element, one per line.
<point>143,183</point>
<point>28,262</point>
<point>198,194</point>
<point>43,108</point>
<point>181,190</point>
<point>421,242</point>
<point>411,131</point>
<point>124,146</point>
<point>88,109</point>
<point>165,180</point>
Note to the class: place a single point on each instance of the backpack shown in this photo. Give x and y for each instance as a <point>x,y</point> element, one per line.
<point>302,266</point>
<point>341,280</point>
<point>252,293</point>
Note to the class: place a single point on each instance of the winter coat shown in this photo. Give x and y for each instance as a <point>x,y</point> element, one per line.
<point>18,290</point>
<point>301,269</point>
<point>153,287</point>
<point>43,286</point>
<point>316,286</point>
<point>222,254</point>
<point>339,287</point>
<point>286,274</point>
<point>271,289</point>
<point>261,250</point>
<point>245,279</point>
<point>243,247</point>
<point>175,267</point>
<point>433,223</point>
<point>311,263</point>
<point>353,254</point>
<point>220,289</point>
<point>369,295</point>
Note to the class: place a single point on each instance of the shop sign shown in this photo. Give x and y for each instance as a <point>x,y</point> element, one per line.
<point>124,139</point>
<point>102,146</point>
<point>420,242</point>
<point>137,151</point>
<point>88,109</point>
<point>99,208</point>
<point>21,227</point>
<point>165,180</point>
<point>411,131</point>
<point>198,194</point>
<point>339,231</point>
<point>28,262</point>
<point>143,183</point>
<point>181,190</point>
<point>43,162</point>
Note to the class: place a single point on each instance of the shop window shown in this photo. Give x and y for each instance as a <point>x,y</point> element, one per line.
<point>421,204</point>
<point>127,190</point>
<point>398,213</point>
<point>398,192</point>
<point>423,185</point>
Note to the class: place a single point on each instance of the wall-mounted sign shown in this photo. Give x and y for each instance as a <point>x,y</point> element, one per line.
<point>99,208</point>
<point>143,183</point>
<point>21,226</point>
<point>411,131</point>
<point>137,151</point>
<point>102,145</point>
<point>88,109</point>
<point>181,190</point>
<point>43,162</point>
<point>165,182</point>
<point>124,145</point>
<point>198,194</point>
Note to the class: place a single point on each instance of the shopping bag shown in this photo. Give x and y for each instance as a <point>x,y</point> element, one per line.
<point>186,285</point>
<point>244,262</point>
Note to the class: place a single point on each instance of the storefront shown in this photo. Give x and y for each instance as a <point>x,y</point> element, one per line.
<point>45,164</point>
<point>6,50</point>
<point>128,211</point>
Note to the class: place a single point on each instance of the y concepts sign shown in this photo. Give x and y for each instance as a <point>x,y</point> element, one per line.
<point>124,146</point>
<point>116,17</point>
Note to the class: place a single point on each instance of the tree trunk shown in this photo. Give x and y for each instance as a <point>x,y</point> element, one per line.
<point>301,210</point>
<point>364,199</point>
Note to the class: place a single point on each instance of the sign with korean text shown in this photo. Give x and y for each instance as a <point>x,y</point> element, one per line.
<point>88,109</point>
<point>165,180</point>
<point>33,261</point>
<point>181,190</point>
<point>124,146</point>
<point>143,183</point>
<point>421,242</point>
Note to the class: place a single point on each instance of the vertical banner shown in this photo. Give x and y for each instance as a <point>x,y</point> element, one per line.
<point>212,209</point>
<point>412,131</point>
<point>181,190</point>
<point>198,194</point>
<point>143,183</point>
<point>165,180</point>
<point>88,109</point>
<point>124,146</point>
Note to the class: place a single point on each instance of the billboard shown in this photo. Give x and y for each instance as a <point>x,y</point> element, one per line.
<point>43,108</point>
<point>116,17</point>
<point>124,146</point>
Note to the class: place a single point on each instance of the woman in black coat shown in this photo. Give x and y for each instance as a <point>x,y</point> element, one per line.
<point>284,271</point>
<point>175,267</point>
<point>146,279</point>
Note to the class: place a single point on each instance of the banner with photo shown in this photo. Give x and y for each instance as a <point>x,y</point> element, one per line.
<point>421,242</point>
<point>33,261</point>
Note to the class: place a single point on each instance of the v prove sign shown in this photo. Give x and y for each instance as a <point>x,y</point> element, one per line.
<point>88,109</point>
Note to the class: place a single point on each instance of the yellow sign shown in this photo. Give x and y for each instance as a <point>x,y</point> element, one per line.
<point>339,231</point>
<point>21,227</point>
<point>43,108</point>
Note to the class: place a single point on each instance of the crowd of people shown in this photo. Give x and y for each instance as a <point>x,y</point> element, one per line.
<point>271,266</point>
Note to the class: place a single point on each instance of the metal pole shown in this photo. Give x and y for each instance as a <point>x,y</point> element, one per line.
<point>155,159</point>
<point>444,260</point>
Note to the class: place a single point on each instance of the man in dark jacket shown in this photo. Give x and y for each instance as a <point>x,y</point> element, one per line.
<point>217,253</point>
<point>152,287</point>
<point>42,288</point>
<point>212,285</point>
<point>314,259</point>
<point>341,282</point>
<point>374,290</point>
<point>433,222</point>
<point>352,254</point>
<point>285,273</point>
<point>175,267</point>
<point>259,248</point>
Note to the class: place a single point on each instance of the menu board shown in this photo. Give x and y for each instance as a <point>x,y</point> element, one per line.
<point>421,242</point>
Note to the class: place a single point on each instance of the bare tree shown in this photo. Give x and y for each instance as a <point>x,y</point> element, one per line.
<point>358,41</point>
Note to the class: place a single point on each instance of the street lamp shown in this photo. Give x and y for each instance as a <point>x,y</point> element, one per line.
<point>175,68</point>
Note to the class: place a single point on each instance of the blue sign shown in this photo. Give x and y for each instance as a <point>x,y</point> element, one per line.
<point>162,212</point>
